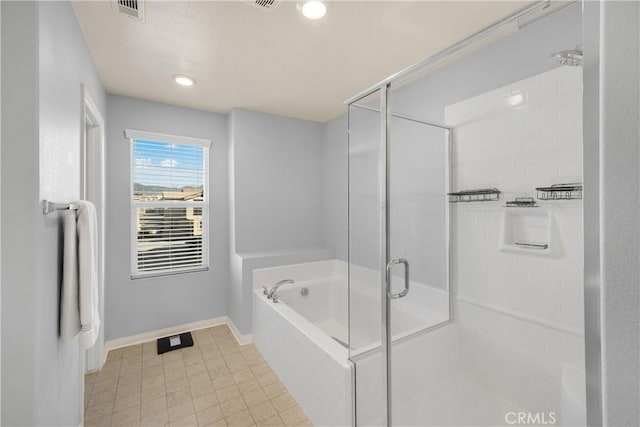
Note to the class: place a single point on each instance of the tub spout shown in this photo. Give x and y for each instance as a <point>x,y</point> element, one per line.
<point>272,293</point>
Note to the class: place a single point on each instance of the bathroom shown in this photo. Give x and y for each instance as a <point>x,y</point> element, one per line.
<point>456,244</point>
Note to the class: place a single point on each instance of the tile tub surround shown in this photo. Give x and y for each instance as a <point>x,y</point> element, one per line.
<point>311,365</point>
<point>215,382</point>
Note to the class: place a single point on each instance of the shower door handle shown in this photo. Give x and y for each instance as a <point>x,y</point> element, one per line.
<point>390,265</point>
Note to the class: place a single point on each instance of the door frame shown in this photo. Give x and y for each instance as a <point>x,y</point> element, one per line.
<point>93,143</point>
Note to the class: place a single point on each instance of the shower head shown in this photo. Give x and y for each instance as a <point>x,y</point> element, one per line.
<point>571,57</point>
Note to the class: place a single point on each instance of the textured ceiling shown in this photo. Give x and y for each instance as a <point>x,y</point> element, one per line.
<point>272,61</point>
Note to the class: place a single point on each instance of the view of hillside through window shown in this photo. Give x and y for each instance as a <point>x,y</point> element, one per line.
<point>168,206</point>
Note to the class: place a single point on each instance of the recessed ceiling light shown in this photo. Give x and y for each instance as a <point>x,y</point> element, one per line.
<point>314,9</point>
<point>183,80</point>
<point>516,99</point>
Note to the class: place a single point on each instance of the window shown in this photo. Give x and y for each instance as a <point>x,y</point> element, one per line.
<point>169,210</point>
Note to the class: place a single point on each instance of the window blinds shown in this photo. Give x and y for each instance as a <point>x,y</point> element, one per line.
<point>169,210</point>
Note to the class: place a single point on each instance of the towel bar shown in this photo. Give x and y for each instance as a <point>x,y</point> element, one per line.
<point>48,207</point>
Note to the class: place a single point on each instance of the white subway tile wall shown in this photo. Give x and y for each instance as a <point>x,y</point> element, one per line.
<point>517,138</point>
<point>520,315</point>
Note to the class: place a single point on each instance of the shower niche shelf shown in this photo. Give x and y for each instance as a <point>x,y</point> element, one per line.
<point>521,202</point>
<point>526,231</point>
<point>477,195</point>
<point>560,192</point>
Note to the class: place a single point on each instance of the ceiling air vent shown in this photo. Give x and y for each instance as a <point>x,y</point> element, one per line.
<point>132,8</point>
<point>264,4</point>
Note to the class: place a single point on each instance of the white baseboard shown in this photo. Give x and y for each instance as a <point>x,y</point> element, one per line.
<point>240,339</point>
<point>174,330</point>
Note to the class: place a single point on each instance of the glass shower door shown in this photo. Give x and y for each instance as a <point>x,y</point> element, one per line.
<point>398,250</point>
<point>417,262</point>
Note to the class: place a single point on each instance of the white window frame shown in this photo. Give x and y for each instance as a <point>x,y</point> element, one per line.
<point>131,135</point>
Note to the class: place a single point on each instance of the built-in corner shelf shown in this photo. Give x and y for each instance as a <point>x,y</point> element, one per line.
<point>560,192</point>
<point>477,195</point>
<point>526,231</point>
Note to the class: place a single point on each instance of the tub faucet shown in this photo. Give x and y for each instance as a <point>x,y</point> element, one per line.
<point>272,293</point>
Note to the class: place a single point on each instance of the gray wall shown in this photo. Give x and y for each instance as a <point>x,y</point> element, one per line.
<point>135,306</point>
<point>620,211</point>
<point>276,204</point>
<point>335,194</point>
<point>20,222</point>
<point>44,62</point>
<point>277,173</point>
<point>276,199</point>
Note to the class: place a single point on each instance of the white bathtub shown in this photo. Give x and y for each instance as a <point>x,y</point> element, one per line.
<point>324,304</point>
<point>313,366</point>
<point>304,337</point>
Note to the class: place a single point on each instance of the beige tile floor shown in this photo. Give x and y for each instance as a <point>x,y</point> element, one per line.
<point>214,383</point>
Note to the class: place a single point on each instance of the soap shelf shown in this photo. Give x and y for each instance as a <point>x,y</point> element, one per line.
<point>532,245</point>
<point>479,195</point>
<point>521,202</point>
<point>560,192</point>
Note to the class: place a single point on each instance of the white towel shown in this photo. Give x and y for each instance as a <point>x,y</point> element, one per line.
<point>69,309</point>
<point>79,302</point>
<point>87,227</point>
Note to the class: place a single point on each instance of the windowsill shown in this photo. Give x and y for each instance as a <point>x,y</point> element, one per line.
<point>167,273</point>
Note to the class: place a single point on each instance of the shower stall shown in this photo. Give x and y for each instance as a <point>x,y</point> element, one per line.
<point>466,283</point>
